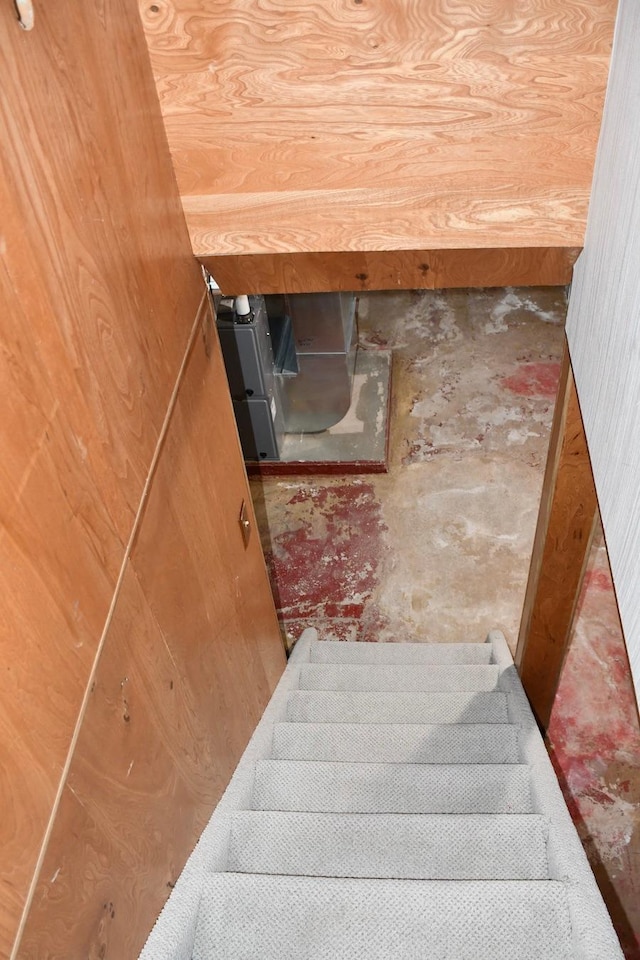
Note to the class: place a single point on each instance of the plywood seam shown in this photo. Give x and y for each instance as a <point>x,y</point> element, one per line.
<point>125,562</point>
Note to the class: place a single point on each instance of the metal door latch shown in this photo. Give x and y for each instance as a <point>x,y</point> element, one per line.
<point>245,523</point>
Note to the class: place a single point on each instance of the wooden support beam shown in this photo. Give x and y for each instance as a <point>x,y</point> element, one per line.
<point>566,521</point>
<point>309,272</point>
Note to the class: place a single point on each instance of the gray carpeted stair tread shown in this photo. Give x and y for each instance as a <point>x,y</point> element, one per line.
<point>373,819</point>
<point>336,651</point>
<point>305,918</point>
<point>314,786</point>
<point>394,846</point>
<point>399,677</point>
<point>397,742</point>
<point>325,706</point>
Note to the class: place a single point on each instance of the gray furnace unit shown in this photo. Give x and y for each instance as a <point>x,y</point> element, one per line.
<point>324,338</point>
<point>290,362</point>
<point>245,338</point>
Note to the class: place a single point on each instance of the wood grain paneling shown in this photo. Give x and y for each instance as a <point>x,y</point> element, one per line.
<point>190,660</point>
<point>201,488</point>
<point>446,215</point>
<point>114,850</point>
<point>566,523</point>
<point>603,326</point>
<point>94,261</point>
<point>98,294</point>
<point>392,270</point>
<point>372,126</point>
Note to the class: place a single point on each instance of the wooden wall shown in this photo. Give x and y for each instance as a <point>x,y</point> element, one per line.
<point>603,325</point>
<point>139,640</point>
<point>382,145</point>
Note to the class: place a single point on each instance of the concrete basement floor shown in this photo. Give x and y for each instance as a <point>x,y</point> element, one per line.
<point>439,547</point>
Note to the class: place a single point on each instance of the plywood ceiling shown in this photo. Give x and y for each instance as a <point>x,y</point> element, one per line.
<point>381,125</point>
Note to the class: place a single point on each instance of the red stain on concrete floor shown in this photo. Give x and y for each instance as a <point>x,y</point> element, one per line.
<point>598,580</point>
<point>534,380</point>
<point>325,566</point>
<point>594,739</point>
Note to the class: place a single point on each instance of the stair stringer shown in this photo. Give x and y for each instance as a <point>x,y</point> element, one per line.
<point>593,935</point>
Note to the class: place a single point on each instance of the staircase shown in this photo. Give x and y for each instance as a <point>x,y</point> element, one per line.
<point>395,803</point>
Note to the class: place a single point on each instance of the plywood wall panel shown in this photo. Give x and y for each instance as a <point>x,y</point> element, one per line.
<point>603,325</point>
<point>115,850</point>
<point>190,660</point>
<point>191,560</point>
<point>98,294</point>
<point>364,128</point>
<point>101,272</point>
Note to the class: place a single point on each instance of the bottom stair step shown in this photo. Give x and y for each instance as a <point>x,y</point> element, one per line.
<point>392,846</point>
<point>248,917</point>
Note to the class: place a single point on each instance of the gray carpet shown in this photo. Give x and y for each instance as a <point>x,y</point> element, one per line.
<point>396,677</point>
<point>391,788</point>
<point>397,742</point>
<point>396,801</point>
<point>333,651</point>
<point>395,846</point>
<point>305,918</point>
<point>329,706</point>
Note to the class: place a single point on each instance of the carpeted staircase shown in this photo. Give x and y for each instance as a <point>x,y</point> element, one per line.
<point>395,803</point>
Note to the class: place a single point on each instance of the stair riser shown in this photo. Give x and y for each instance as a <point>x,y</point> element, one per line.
<point>331,651</point>
<point>438,678</point>
<point>390,847</point>
<point>396,743</point>
<point>378,788</point>
<point>307,706</point>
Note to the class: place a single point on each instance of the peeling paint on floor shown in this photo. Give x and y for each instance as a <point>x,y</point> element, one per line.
<point>462,539</point>
<point>454,518</point>
<point>534,380</point>
<point>456,383</point>
<point>324,552</point>
<point>439,548</point>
